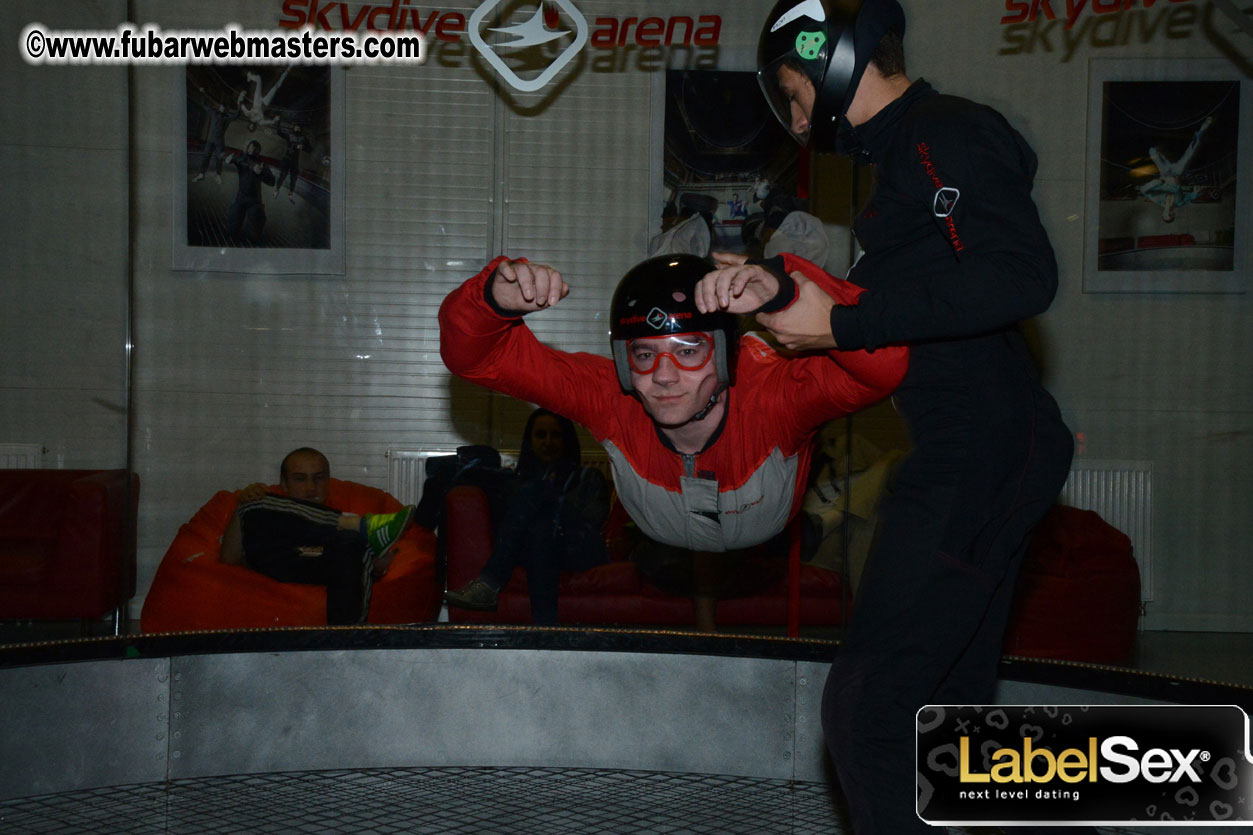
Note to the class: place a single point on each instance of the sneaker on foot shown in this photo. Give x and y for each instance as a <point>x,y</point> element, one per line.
<point>383,529</point>
<point>197,178</point>
<point>219,176</point>
<point>475,594</point>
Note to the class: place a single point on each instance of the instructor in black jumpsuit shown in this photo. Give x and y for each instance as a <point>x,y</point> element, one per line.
<point>954,256</point>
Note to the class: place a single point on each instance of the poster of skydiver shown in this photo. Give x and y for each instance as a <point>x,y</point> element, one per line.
<point>256,177</point>
<point>1169,175</point>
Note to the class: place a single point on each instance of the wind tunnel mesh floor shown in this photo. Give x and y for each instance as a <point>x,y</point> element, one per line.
<point>438,801</point>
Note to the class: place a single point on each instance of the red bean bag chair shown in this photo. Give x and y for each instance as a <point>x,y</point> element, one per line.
<point>1078,594</point>
<point>193,590</point>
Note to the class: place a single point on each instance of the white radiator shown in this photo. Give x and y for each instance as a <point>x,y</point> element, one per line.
<point>1122,493</point>
<point>21,456</point>
<point>406,472</point>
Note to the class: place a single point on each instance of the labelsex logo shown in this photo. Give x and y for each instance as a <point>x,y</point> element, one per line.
<point>541,28</point>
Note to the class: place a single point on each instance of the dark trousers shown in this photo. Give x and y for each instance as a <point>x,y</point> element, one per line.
<point>286,169</point>
<point>933,603</point>
<point>245,220</point>
<point>215,151</point>
<point>543,536</point>
<point>274,530</point>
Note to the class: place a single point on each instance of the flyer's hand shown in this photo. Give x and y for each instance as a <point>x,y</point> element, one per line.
<point>806,324</point>
<point>517,285</point>
<point>736,288</point>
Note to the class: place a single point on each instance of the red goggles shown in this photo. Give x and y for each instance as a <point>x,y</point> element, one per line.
<point>688,351</point>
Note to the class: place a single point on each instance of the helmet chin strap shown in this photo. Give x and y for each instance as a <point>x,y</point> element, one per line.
<point>848,140</point>
<point>713,401</point>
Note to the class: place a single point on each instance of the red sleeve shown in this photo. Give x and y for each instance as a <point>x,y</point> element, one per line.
<point>497,351</point>
<point>876,373</point>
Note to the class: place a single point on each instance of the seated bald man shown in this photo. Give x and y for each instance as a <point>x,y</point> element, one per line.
<point>296,538</point>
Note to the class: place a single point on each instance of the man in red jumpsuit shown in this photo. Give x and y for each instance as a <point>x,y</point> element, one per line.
<point>709,434</point>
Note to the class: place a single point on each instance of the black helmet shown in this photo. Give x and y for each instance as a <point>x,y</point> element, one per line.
<point>831,42</point>
<point>656,298</point>
<point>253,148</point>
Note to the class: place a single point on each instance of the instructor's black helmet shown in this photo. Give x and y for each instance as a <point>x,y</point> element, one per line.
<point>830,42</point>
<point>656,298</point>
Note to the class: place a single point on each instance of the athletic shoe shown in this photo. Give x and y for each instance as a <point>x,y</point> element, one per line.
<point>291,197</point>
<point>219,176</point>
<point>475,594</point>
<point>198,178</point>
<point>383,529</point>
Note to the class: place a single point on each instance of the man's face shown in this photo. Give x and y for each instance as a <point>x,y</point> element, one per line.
<point>682,378</point>
<point>307,477</point>
<point>799,92</point>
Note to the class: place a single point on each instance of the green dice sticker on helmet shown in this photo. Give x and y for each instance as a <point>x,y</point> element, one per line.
<point>809,44</point>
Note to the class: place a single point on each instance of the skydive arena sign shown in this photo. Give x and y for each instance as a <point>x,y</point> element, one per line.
<point>1108,765</point>
<point>528,50</point>
<point>451,26</point>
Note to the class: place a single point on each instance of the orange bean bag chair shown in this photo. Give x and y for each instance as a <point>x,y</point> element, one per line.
<point>193,590</point>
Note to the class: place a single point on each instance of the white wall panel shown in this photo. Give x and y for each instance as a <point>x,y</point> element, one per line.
<point>63,239</point>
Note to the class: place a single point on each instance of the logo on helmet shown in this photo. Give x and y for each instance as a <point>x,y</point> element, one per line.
<point>657,318</point>
<point>809,44</point>
<point>806,8</point>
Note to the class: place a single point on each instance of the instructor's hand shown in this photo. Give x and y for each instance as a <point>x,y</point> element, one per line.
<point>728,259</point>
<point>806,324</point>
<point>517,285</point>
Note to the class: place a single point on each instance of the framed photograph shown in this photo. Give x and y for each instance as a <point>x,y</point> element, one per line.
<point>1168,177</point>
<point>258,169</point>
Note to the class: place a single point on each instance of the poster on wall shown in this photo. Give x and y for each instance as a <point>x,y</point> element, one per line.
<point>727,164</point>
<point>258,169</point>
<point>1168,183</point>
